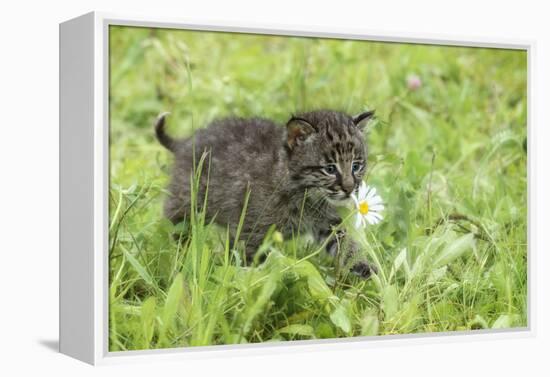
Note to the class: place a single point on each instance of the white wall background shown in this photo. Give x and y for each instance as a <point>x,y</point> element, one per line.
<point>29,183</point>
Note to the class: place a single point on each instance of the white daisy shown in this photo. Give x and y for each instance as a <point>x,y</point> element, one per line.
<point>369,205</point>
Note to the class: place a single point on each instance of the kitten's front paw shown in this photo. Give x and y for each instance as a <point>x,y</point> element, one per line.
<point>364,270</point>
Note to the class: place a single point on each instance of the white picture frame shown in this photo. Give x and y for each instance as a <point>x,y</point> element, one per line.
<point>84,158</point>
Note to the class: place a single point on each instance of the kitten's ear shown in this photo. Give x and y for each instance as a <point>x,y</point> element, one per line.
<point>297,130</point>
<point>362,119</point>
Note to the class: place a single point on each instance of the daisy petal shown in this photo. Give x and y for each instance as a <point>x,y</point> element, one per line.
<point>363,189</point>
<point>375,200</point>
<point>372,193</point>
<point>377,197</point>
<point>370,219</point>
<point>376,207</point>
<point>358,221</point>
<point>368,189</point>
<point>355,200</point>
<point>376,218</point>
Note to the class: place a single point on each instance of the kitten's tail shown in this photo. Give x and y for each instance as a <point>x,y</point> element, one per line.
<point>162,136</point>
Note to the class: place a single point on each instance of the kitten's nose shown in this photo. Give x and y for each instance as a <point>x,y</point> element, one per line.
<point>347,186</point>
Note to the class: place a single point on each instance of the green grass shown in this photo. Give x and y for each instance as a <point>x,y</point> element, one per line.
<point>449,160</point>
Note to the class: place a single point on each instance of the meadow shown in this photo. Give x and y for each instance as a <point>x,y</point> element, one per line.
<point>448,154</point>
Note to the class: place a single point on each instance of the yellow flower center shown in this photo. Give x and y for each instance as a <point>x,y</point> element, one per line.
<point>363,208</point>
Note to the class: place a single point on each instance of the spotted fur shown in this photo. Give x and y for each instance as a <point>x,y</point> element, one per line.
<point>295,175</point>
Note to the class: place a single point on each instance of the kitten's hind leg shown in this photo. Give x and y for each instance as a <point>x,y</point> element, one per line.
<point>175,210</point>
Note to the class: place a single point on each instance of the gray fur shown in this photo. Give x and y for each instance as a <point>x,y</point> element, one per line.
<point>285,170</point>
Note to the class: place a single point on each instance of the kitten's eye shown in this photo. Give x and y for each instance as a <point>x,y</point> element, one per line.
<point>330,169</point>
<point>356,167</point>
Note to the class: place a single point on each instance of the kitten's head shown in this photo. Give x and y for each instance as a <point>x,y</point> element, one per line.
<point>327,152</point>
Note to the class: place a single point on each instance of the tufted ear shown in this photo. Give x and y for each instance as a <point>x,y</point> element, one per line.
<point>362,119</point>
<point>297,130</point>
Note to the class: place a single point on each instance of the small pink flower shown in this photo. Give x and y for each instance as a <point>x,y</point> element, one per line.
<point>414,82</point>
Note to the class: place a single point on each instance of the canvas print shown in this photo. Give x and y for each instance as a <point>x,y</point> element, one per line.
<point>268,188</point>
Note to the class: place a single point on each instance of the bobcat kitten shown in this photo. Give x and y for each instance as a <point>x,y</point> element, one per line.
<point>297,176</point>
